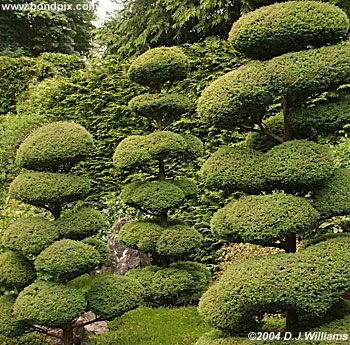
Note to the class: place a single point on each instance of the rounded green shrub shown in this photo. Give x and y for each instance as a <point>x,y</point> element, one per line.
<point>241,97</point>
<point>26,339</point>
<point>178,242</point>
<point>137,151</point>
<point>278,282</point>
<point>49,190</point>
<point>264,219</point>
<point>100,246</point>
<point>142,235</point>
<point>323,118</point>
<point>67,259</point>
<point>15,271</point>
<point>195,147</point>
<point>289,26</point>
<point>111,295</point>
<point>30,236</point>
<point>166,107</point>
<point>298,165</point>
<point>9,326</point>
<point>159,65</point>
<point>263,143</point>
<point>77,224</point>
<point>53,147</point>
<point>49,304</point>
<point>154,197</point>
<point>200,276</point>
<point>187,185</point>
<point>333,199</point>
<point>234,169</point>
<point>163,285</point>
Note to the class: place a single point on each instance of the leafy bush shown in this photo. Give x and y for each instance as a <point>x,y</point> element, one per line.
<point>234,168</point>
<point>77,224</point>
<point>111,295</point>
<point>178,242</point>
<point>30,236</point>
<point>9,325</point>
<point>298,165</point>
<point>154,197</point>
<point>67,259</point>
<point>45,188</point>
<point>252,219</point>
<point>100,246</point>
<point>27,339</point>
<point>53,146</point>
<point>15,271</point>
<point>158,66</point>
<point>273,283</point>
<point>334,198</point>
<point>166,107</point>
<point>251,89</point>
<point>49,304</point>
<point>285,27</point>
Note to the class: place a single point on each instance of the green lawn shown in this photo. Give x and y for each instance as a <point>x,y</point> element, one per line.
<point>161,326</point>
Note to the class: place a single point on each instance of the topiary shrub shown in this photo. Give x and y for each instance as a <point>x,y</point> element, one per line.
<point>53,146</point>
<point>50,304</point>
<point>285,27</point>
<point>166,240</point>
<point>251,219</point>
<point>15,271</point>
<point>298,164</point>
<point>104,296</point>
<point>62,248</point>
<point>258,278</point>
<point>158,66</point>
<point>10,327</point>
<point>300,284</point>
<point>334,198</point>
<point>66,259</point>
<point>77,224</point>
<point>30,236</point>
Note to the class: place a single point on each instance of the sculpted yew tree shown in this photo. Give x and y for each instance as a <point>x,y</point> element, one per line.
<point>289,183</point>
<point>171,279</point>
<point>42,256</point>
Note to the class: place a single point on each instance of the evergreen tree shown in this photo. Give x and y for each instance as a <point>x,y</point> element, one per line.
<point>42,257</point>
<point>169,280</point>
<point>288,183</point>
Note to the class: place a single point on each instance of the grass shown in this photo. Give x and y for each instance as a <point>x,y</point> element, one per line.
<point>148,326</point>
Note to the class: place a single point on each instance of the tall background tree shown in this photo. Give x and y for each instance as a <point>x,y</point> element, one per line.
<point>289,190</point>
<point>32,32</point>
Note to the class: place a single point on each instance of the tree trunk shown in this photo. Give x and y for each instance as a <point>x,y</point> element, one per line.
<point>68,335</point>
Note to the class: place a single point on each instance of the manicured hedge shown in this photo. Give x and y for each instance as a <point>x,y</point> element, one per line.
<point>298,165</point>
<point>154,197</point>
<point>49,304</point>
<point>264,219</point>
<point>9,326</point>
<point>111,295</point>
<point>234,169</point>
<point>278,282</point>
<point>240,97</point>
<point>15,271</point>
<point>30,236</point>
<point>54,147</point>
<point>158,66</point>
<point>289,26</point>
<point>45,188</point>
<point>77,224</point>
<point>67,259</point>
<point>100,246</point>
<point>333,199</point>
<point>166,107</point>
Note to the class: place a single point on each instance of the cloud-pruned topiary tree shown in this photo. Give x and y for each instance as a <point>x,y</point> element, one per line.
<point>292,181</point>
<point>171,280</point>
<point>42,256</point>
